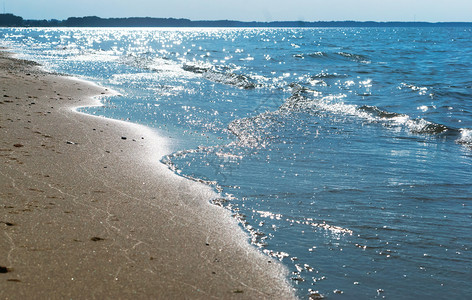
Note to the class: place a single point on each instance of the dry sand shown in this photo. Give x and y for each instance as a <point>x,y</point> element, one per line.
<point>85,213</point>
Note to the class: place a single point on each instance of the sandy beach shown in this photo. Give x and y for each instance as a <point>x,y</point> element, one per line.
<point>87,211</point>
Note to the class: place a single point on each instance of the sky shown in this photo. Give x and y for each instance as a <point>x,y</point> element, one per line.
<point>248,10</point>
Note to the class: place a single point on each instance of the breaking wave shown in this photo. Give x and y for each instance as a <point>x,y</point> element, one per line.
<point>221,76</point>
<point>259,130</point>
<point>355,57</point>
<point>465,137</point>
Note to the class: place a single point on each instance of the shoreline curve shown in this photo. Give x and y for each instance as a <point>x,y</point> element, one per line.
<point>88,211</point>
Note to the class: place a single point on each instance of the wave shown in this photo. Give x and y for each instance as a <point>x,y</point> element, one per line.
<point>421,90</point>
<point>355,57</point>
<point>335,56</point>
<point>334,104</point>
<point>216,74</point>
<point>255,132</point>
<point>194,68</point>
<point>415,125</point>
<point>141,61</point>
<point>168,161</point>
<point>318,54</point>
<point>238,80</point>
<point>328,75</point>
<point>157,65</point>
<point>258,131</point>
<point>225,77</point>
<point>465,136</point>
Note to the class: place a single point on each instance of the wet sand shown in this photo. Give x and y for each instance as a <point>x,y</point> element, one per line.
<point>87,211</point>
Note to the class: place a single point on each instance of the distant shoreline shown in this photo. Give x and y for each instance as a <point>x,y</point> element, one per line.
<point>10,20</point>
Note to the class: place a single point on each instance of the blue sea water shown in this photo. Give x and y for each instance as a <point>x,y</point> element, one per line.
<point>346,153</point>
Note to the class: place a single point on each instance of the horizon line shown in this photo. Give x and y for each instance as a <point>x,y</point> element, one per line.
<point>233,20</point>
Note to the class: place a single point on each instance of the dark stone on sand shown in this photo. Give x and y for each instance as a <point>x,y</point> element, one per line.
<point>96,239</point>
<point>18,145</point>
<point>238,291</point>
<point>123,138</point>
<point>6,96</point>
<point>4,269</point>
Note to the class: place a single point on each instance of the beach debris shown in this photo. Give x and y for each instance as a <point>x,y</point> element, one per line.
<point>71,143</point>
<point>123,138</point>
<point>7,223</point>
<point>4,269</point>
<point>238,291</point>
<point>96,239</point>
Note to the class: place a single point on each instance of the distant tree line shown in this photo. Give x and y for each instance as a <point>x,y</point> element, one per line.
<point>10,20</point>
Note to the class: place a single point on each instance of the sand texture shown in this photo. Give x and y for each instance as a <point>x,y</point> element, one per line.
<point>87,211</point>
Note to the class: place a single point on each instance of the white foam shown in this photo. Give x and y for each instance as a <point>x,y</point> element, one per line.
<point>466,136</point>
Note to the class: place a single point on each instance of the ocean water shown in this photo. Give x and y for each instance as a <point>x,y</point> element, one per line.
<point>345,153</point>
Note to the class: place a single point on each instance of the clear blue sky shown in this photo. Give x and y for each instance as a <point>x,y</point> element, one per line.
<point>249,10</point>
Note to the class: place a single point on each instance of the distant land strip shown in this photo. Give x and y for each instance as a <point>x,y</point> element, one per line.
<point>10,20</point>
